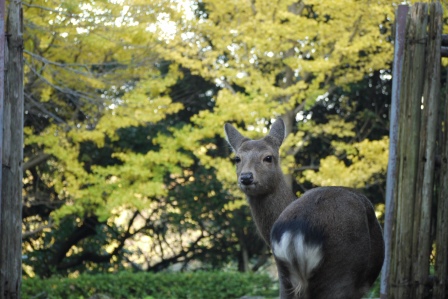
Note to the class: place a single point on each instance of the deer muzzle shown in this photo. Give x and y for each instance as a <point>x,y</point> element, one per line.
<point>246,178</point>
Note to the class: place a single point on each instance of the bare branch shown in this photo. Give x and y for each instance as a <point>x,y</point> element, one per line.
<point>69,66</point>
<point>44,110</point>
<point>49,9</point>
<point>65,90</point>
<point>36,160</point>
<point>37,230</point>
<point>228,86</point>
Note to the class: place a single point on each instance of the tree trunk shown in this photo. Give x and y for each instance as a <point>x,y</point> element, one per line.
<point>289,120</point>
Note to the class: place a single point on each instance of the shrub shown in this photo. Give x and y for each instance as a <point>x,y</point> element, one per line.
<point>126,285</point>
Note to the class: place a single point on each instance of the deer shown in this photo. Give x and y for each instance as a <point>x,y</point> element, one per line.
<point>327,244</point>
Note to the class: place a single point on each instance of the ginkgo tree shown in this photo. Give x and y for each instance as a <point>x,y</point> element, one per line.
<point>277,59</point>
<point>126,165</point>
<point>90,71</point>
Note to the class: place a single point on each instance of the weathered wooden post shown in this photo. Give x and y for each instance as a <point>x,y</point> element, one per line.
<point>441,260</point>
<point>400,283</point>
<point>12,157</point>
<point>413,184</point>
<point>392,169</point>
<point>428,132</point>
<point>2,81</point>
<point>441,242</point>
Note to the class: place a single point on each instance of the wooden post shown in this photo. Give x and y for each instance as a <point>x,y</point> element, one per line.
<point>401,282</point>
<point>392,169</point>
<point>422,132</point>
<point>2,83</point>
<point>12,157</point>
<point>431,98</point>
<point>441,261</point>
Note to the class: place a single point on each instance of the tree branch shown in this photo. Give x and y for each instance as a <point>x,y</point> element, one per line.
<point>33,232</point>
<point>176,258</point>
<point>94,257</point>
<point>36,160</point>
<point>49,9</point>
<point>85,230</point>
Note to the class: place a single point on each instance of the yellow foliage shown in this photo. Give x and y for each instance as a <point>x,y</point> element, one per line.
<point>268,57</point>
<point>45,94</point>
<point>248,44</point>
<point>368,160</point>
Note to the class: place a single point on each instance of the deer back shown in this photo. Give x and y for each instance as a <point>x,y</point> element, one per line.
<point>328,244</point>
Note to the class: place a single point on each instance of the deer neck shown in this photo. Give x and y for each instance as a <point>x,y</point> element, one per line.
<point>267,207</point>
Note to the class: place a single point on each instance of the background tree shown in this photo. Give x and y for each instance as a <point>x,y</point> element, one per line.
<point>89,74</point>
<point>126,165</point>
<point>280,59</point>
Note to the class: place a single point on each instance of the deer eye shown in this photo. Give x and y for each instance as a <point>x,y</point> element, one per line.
<point>268,159</point>
<point>237,159</point>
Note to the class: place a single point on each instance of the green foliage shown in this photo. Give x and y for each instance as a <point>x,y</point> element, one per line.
<point>125,106</point>
<point>125,285</point>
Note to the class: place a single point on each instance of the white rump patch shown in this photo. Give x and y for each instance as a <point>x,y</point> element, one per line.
<point>300,258</point>
<point>308,256</point>
<point>281,249</point>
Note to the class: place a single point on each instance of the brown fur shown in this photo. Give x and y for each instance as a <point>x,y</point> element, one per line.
<point>340,222</point>
<point>271,195</point>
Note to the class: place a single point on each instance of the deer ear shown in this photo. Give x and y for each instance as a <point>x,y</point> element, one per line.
<point>278,131</point>
<point>234,138</point>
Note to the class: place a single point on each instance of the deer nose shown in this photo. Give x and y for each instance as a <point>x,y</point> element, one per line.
<point>246,178</point>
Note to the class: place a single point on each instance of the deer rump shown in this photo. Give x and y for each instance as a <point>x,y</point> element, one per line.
<point>327,244</point>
